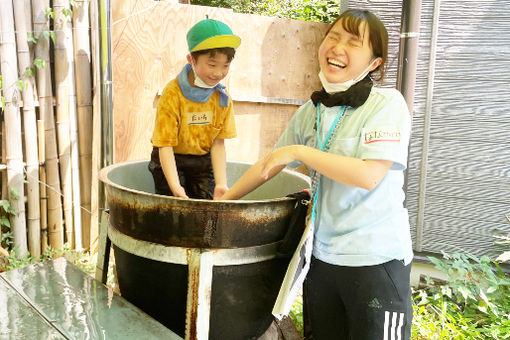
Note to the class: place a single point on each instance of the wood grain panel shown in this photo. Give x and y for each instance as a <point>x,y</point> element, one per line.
<point>149,49</point>
<point>276,59</point>
<point>258,128</point>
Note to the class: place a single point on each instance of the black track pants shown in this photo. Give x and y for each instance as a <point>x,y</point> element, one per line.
<point>358,303</point>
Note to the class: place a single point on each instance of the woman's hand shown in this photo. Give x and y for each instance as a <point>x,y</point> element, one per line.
<point>279,157</point>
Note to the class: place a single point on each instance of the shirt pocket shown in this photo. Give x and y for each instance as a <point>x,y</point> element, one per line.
<point>345,147</point>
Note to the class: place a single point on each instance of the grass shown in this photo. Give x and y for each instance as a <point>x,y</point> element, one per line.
<point>83,260</point>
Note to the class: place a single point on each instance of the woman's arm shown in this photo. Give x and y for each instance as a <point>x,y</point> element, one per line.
<point>250,180</point>
<point>167,159</point>
<point>219,164</point>
<point>351,171</point>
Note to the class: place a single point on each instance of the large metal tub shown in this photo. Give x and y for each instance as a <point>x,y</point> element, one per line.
<point>200,266</point>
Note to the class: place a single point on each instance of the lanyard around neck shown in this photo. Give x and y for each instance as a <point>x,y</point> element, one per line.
<point>324,146</point>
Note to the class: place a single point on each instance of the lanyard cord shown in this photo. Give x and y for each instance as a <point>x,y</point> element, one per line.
<point>324,146</point>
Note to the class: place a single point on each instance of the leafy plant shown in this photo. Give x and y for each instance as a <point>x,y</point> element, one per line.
<point>296,313</point>
<point>83,260</point>
<point>474,304</point>
<point>309,10</point>
<point>6,211</point>
<point>505,242</point>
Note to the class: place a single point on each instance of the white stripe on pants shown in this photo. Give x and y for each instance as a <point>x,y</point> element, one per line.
<point>389,327</point>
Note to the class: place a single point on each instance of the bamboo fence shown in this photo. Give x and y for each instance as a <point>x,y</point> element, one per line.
<point>48,162</point>
<point>12,118</point>
<point>30,128</point>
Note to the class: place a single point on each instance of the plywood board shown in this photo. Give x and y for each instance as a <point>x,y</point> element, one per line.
<point>277,59</point>
<point>258,128</point>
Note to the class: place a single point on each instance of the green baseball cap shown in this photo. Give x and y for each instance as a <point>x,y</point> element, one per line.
<point>209,33</point>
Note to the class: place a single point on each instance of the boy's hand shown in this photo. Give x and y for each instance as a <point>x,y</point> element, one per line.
<point>179,191</point>
<point>219,191</point>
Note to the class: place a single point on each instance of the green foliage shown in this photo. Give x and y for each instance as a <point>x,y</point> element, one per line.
<point>67,12</point>
<point>14,193</point>
<point>29,72</point>
<point>309,10</point>
<point>296,313</point>
<point>83,260</point>
<point>5,211</point>
<point>49,13</point>
<point>31,38</point>
<point>475,304</point>
<point>504,243</point>
<point>21,84</point>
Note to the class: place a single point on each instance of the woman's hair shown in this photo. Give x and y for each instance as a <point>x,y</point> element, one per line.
<point>351,21</point>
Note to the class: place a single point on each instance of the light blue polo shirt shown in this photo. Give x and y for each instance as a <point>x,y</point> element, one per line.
<point>354,226</point>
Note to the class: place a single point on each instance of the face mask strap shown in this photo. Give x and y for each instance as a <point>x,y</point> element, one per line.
<point>199,82</point>
<point>365,72</point>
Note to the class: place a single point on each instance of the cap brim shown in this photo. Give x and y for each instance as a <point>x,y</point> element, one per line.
<point>218,41</point>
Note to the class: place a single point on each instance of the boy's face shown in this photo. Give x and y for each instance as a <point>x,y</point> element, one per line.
<point>211,69</point>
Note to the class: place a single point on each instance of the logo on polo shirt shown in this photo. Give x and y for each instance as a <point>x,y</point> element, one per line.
<point>199,118</point>
<point>381,134</point>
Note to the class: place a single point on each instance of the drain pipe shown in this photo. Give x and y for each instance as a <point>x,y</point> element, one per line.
<point>408,51</point>
<point>106,82</point>
<point>407,58</point>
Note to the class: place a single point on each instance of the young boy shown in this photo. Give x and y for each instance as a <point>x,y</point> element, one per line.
<point>194,116</point>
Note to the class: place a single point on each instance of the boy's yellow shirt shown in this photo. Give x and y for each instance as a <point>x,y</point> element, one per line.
<point>191,127</point>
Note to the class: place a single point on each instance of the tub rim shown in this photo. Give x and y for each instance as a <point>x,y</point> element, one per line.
<point>103,177</point>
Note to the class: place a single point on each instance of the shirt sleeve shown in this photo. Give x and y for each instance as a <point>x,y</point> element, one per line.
<point>229,123</point>
<point>299,130</point>
<point>386,133</point>
<point>166,127</point>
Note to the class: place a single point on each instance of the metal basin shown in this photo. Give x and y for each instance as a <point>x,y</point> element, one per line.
<point>163,244</point>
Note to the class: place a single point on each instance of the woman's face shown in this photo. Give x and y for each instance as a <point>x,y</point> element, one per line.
<point>344,56</point>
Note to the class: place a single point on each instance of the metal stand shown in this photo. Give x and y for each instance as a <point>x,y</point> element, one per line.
<point>200,263</point>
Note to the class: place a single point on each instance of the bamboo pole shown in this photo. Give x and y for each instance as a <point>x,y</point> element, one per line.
<point>64,93</point>
<point>96,130</point>
<point>84,101</point>
<point>41,24</point>
<point>42,187</point>
<point>3,193</point>
<point>29,122</point>
<point>12,125</point>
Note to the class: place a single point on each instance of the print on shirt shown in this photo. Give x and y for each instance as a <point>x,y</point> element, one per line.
<point>199,118</point>
<point>381,134</point>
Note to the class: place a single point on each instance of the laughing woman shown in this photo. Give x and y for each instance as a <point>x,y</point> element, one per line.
<point>353,137</point>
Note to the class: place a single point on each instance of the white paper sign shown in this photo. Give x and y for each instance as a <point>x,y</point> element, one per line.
<point>296,272</point>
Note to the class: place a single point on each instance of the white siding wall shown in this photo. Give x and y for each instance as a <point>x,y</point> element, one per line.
<point>467,179</point>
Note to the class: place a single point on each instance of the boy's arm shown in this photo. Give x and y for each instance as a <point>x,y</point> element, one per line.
<point>167,159</point>
<point>219,164</point>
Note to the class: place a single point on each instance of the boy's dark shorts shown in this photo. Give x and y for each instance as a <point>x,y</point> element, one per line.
<point>195,175</point>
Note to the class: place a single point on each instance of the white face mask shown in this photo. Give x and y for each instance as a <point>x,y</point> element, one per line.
<point>199,82</point>
<point>339,87</point>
